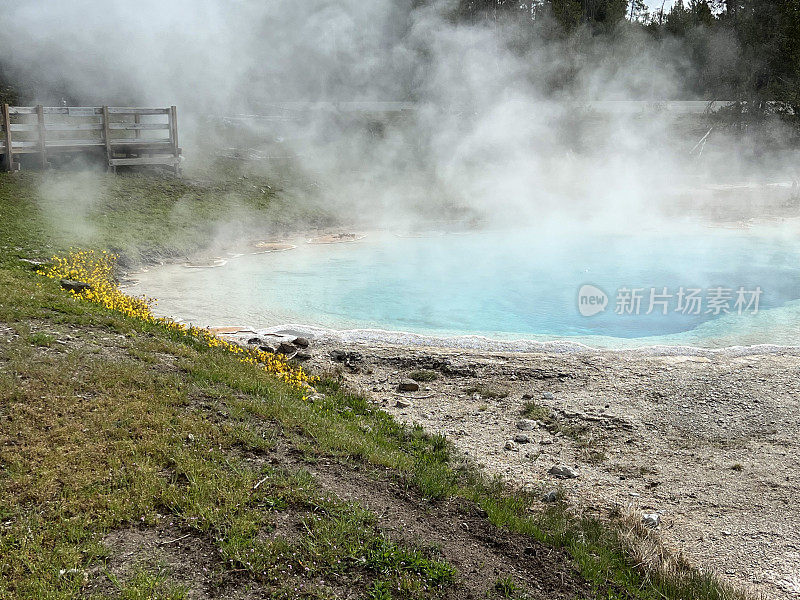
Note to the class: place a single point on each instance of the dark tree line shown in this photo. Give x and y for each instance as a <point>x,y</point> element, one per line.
<point>746,50</point>
<point>739,49</point>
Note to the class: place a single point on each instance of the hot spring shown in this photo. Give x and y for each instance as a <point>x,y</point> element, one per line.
<point>711,288</point>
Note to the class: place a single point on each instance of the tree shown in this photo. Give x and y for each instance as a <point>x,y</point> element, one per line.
<point>638,11</point>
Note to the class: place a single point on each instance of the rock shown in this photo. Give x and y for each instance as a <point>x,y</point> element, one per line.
<point>254,341</point>
<point>75,286</point>
<point>527,396</point>
<point>511,446</point>
<point>34,264</point>
<point>286,348</point>
<point>651,520</point>
<point>303,355</point>
<point>408,385</point>
<point>563,471</point>
<point>545,441</point>
<point>401,403</point>
<point>301,342</point>
<point>551,496</point>
<point>526,424</point>
<point>548,396</point>
<point>84,575</point>
<point>346,357</point>
<point>267,348</point>
<point>521,438</point>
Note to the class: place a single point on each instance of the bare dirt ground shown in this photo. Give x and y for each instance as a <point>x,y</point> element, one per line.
<point>709,442</point>
<point>481,553</point>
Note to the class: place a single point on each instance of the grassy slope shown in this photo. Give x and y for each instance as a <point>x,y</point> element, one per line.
<point>108,423</point>
<point>146,217</point>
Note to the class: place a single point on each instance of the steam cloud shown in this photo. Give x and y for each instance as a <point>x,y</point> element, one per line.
<point>500,127</point>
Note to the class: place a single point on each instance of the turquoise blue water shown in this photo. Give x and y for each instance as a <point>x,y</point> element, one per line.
<point>518,284</point>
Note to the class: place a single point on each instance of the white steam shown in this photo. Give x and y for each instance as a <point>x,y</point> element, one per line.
<point>499,128</point>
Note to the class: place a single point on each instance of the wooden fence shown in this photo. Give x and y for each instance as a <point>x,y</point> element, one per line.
<point>124,136</point>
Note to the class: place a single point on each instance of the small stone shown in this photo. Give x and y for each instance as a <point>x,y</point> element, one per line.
<point>511,446</point>
<point>402,403</point>
<point>545,441</point>
<point>34,264</point>
<point>551,496</point>
<point>548,396</point>
<point>563,471</point>
<point>726,533</point>
<point>527,396</point>
<point>301,342</point>
<point>72,571</point>
<point>408,385</point>
<point>521,438</point>
<point>651,520</point>
<point>75,286</point>
<point>526,424</point>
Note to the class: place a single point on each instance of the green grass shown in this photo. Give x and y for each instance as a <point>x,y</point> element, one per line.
<point>488,391</point>
<point>143,217</point>
<point>505,587</point>
<point>424,375</point>
<point>590,446</point>
<point>149,585</point>
<point>41,339</point>
<point>535,411</point>
<point>130,425</point>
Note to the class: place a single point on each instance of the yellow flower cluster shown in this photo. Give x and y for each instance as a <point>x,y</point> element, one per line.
<point>97,270</point>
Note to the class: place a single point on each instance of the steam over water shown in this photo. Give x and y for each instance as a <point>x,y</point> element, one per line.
<point>507,284</point>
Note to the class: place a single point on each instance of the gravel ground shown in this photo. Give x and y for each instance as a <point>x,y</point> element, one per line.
<point>707,440</point>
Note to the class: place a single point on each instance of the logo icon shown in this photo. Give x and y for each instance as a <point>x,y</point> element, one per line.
<point>591,300</point>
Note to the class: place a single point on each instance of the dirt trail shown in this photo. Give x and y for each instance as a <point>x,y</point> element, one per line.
<point>710,443</point>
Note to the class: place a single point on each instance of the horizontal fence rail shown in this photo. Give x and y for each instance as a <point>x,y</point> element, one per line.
<point>127,136</point>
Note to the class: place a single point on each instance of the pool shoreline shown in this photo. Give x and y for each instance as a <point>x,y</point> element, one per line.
<point>479,343</point>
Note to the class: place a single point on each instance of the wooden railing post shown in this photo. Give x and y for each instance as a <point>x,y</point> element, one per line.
<point>42,138</point>
<point>9,154</point>
<point>107,139</point>
<point>173,136</point>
